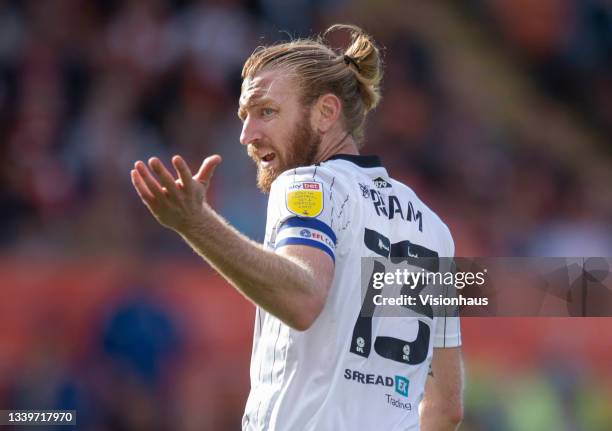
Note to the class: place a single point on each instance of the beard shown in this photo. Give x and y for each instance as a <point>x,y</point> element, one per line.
<point>303,147</point>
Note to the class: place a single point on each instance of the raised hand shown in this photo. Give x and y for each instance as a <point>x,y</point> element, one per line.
<point>175,203</point>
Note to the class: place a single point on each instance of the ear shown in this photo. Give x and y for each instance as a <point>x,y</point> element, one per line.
<point>326,112</point>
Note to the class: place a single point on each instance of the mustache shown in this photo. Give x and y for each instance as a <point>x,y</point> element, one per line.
<point>253,149</point>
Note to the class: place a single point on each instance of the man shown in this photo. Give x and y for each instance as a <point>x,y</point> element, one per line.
<point>317,364</point>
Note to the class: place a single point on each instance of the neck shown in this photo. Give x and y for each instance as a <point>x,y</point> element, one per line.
<point>342,143</point>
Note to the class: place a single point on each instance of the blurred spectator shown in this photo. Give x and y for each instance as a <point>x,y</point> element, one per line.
<point>87,88</point>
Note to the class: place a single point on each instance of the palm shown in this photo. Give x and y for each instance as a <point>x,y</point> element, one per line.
<point>176,203</point>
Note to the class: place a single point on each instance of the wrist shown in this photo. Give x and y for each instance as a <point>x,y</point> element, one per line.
<point>192,227</point>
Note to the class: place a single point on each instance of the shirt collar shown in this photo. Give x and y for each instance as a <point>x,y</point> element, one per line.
<point>362,161</point>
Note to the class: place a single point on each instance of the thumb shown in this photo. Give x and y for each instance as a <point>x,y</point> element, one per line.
<point>208,167</point>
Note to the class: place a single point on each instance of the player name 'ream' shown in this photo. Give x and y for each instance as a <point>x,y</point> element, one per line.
<point>392,208</point>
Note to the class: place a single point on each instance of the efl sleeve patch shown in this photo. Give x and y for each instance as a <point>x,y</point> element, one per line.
<point>306,231</point>
<point>305,198</point>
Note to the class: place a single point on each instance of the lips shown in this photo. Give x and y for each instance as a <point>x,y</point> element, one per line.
<point>264,158</point>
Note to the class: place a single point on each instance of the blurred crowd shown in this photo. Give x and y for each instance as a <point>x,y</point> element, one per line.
<point>87,87</point>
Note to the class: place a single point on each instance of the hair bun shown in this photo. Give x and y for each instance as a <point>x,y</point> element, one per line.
<point>365,56</point>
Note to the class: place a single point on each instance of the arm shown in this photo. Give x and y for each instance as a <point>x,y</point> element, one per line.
<point>291,284</point>
<point>441,408</point>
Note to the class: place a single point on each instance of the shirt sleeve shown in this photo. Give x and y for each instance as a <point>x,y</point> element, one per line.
<point>448,329</point>
<point>308,207</point>
<point>447,332</point>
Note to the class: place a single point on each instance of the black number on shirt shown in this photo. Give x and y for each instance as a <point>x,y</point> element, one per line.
<point>396,349</point>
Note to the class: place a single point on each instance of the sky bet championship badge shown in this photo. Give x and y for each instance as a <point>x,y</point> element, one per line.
<point>305,199</point>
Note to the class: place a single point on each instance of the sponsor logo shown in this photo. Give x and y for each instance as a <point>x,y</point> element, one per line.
<point>360,344</point>
<point>305,199</point>
<point>323,238</point>
<point>406,350</point>
<point>317,236</point>
<point>399,383</point>
<point>396,402</point>
<point>381,183</point>
<point>368,379</point>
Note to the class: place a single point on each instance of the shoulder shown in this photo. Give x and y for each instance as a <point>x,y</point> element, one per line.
<point>324,177</point>
<point>304,209</point>
<point>320,172</point>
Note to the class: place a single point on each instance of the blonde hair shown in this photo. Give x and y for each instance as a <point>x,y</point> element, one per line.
<point>353,76</point>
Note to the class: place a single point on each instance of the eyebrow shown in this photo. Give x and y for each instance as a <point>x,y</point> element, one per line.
<point>252,103</point>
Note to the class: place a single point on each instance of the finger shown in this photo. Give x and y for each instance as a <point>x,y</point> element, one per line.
<point>183,171</point>
<point>207,169</point>
<point>141,188</point>
<point>149,180</point>
<point>165,177</point>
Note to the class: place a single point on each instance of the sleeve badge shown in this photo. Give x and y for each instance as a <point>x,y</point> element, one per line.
<point>305,198</point>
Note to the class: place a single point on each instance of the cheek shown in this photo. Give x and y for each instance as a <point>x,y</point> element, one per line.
<point>278,135</point>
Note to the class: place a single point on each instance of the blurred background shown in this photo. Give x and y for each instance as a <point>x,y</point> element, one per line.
<point>498,113</point>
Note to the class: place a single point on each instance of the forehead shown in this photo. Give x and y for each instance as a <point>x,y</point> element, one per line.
<point>273,85</point>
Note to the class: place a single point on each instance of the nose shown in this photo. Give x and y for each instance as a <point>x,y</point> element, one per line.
<point>250,131</point>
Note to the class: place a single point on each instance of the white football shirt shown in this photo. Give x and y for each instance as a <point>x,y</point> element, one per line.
<point>332,376</point>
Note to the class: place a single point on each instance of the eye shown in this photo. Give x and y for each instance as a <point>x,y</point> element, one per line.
<point>267,112</point>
